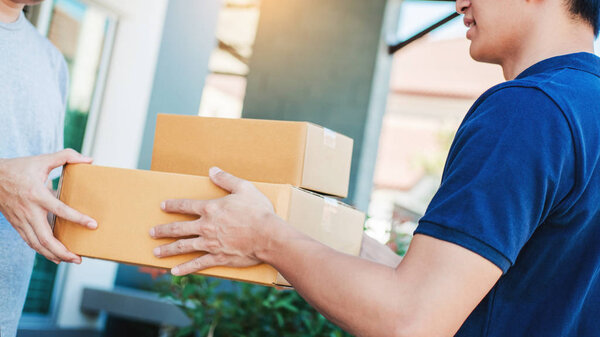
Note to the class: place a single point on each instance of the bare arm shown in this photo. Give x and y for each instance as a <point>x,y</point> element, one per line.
<point>430,293</point>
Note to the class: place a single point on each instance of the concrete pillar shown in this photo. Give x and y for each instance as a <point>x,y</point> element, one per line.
<point>326,61</point>
<point>187,43</point>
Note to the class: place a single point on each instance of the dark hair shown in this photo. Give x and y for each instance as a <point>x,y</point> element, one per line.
<point>588,10</point>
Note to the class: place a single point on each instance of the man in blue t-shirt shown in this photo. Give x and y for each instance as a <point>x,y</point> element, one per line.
<point>510,244</point>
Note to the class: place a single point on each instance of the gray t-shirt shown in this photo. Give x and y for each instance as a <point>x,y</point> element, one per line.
<point>33,88</point>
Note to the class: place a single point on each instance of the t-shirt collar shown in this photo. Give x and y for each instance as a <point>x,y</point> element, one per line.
<point>14,25</point>
<point>580,61</point>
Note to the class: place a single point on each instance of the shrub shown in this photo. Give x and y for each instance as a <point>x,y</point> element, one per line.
<point>238,309</point>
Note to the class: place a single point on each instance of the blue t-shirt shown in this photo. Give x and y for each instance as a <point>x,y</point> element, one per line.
<point>521,188</point>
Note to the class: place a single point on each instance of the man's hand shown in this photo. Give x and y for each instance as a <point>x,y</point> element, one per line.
<point>228,229</point>
<point>25,202</point>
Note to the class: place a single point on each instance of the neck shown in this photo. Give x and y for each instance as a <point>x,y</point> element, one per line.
<point>10,11</point>
<point>548,42</point>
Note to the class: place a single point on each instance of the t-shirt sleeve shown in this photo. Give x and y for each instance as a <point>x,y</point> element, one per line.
<point>511,163</point>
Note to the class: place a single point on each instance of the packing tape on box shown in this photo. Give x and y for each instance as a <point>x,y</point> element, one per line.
<point>329,138</point>
<point>330,209</point>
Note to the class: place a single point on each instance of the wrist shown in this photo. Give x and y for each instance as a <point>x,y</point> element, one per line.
<point>272,234</point>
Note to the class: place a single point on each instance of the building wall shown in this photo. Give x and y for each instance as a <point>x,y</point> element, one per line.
<point>129,83</point>
<point>325,62</point>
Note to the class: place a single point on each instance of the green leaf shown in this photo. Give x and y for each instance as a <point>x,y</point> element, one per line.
<point>188,290</point>
<point>204,330</point>
<point>279,317</point>
<point>184,331</point>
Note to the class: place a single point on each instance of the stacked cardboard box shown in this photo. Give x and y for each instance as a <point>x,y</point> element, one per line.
<point>296,153</point>
<point>287,161</point>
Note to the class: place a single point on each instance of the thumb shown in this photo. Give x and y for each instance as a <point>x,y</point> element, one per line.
<point>225,180</point>
<point>69,156</point>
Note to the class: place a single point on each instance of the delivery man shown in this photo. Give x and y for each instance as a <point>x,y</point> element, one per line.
<point>33,91</point>
<point>510,244</point>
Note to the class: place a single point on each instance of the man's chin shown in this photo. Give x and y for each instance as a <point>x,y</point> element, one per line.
<point>480,54</point>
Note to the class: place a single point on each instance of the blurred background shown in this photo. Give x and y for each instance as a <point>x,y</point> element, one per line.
<point>394,75</point>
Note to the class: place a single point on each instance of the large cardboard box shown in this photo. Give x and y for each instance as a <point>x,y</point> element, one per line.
<point>126,204</point>
<point>297,153</point>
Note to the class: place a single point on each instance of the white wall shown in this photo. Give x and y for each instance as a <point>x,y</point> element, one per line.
<point>120,128</point>
<point>129,84</point>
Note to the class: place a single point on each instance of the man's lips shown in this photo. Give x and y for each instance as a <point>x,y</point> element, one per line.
<point>469,22</point>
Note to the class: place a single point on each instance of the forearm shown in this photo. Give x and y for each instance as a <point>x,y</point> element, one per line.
<point>361,296</point>
<point>430,293</point>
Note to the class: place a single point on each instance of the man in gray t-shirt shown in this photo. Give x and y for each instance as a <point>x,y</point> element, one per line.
<point>33,87</point>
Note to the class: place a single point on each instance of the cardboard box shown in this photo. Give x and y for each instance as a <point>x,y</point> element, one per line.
<point>296,153</point>
<point>126,204</point>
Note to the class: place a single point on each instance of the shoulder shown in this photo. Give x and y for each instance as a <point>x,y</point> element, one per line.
<point>522,93</point>
<point>516,113</point>
<point>47,50</point>
<point>521,100</point>
<point>52,56</point>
